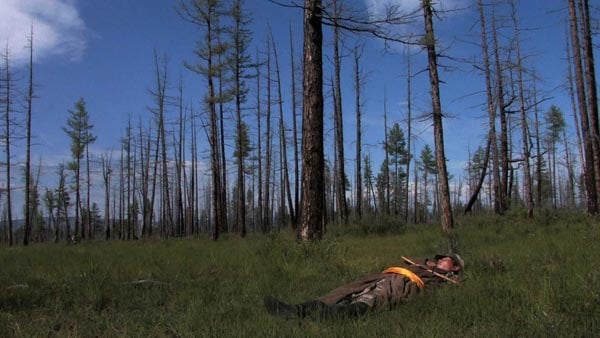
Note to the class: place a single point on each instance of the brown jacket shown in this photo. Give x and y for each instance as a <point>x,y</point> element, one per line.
<point>388,289</point>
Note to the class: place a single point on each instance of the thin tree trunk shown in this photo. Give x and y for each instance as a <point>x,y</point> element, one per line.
<point>267,200</point>
<point>295,135</point>
<point>475,193</point>
<point>447,219</point>
<point>539,157</point>
<point>106,173</point>
<point>415,198</point>
<point>259,148</point>
<point>576,123</point>
<point>502,105</point>
<point>357,87</point>
<point>221,132</point>
<point>27,229</point>
<point>283,138</point>
<point>8,87</point>
<point>491,105</point>
<point>570,174</point>
<point>409,132</point>
<point>523,113</point>
<point>338,119</point>
<point>387,157</point>
<point>88,220</point>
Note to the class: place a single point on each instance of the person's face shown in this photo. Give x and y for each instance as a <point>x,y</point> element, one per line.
<point>447,264</point>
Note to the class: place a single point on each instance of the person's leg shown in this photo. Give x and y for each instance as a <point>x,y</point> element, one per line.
<point>314,308</point>
<point>350,310</point>
<point>278,308</point>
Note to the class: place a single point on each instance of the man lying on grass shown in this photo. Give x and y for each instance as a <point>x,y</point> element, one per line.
<point>393,286</point>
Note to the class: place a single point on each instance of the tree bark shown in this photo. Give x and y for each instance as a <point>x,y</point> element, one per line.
<point>491,106</point>
<point>502,105</point>
<point>587,134</point>
<point>8,92</point>
<point>357,87</point>
<point>283,143</point>
<point>447,218</point>
<point>311,226</point>
<point>590,85</point>
<point>295,136</point>
<point>339,124</point>
<point>27,229</point>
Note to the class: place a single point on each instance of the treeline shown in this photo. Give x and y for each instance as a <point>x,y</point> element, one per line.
<point>266,169</point>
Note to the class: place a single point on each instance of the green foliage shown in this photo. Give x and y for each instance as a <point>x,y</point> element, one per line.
<point>428,164</point>
<point>555,123</point>
<point>79,130</point>
<point>526,278</point>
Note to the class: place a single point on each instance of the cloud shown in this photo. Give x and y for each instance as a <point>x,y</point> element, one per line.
<point>58,29</point>
<point>378,7</point>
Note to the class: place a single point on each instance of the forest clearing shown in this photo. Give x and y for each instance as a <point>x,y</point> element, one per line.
<point>522,278</point>
<point>470,130</point>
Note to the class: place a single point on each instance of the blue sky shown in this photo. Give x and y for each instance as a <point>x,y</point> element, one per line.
<point>103,51</point>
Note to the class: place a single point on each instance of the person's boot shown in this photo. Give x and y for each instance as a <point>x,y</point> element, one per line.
<point>276,307</point>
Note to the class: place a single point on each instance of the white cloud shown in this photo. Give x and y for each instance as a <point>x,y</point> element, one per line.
<point>58,29</point>
<point>378,7</point>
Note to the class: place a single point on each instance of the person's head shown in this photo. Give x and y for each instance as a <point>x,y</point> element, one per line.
<point>450,263</point>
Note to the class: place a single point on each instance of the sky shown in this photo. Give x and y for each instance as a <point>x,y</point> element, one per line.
<point>103,51</point>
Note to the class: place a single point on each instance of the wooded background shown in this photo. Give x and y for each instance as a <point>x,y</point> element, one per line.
<point>267,166</point>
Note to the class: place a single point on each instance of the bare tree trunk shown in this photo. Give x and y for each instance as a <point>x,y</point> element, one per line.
<point>128,205</point>
<point>338,118</point>
<point>357,87</point>
<point>283,140</point>
<point>106,173</point>
<point>259,148</point>
<point>492,106</point>
<point>88,220</point>
<point>267,200</point>
<point>223,191</point>
<point>447,219</point>
<point>179,167</point>
<point>524,132</point>
<point>8,92</point>
<point>295,136</point>
<point>539,157</point>
<point>590,174</point>
<point>134,202</point>
<point>387,156</point>
<point>193,203</point>
<point>121,192</point>
<point>570,174</point>
<point>27,229</point>
<point>502,105</point>
<point>590,85</point>
<point>409,132</point>
<point>415,198</point>
<point>571,90</point>
<point>475,193</point>
<point>161,78</point>
<point>311,226</point>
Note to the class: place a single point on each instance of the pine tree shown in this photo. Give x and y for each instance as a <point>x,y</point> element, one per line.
<point>79,130</point>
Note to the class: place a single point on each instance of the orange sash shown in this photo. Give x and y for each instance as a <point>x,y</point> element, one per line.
<point>407,273</point>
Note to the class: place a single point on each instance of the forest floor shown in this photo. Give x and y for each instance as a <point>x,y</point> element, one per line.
<point>526,278</point>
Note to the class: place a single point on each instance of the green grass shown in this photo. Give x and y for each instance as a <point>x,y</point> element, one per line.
<point>523,278</point>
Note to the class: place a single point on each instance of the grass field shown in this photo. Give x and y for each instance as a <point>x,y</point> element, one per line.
<point>523,278</point>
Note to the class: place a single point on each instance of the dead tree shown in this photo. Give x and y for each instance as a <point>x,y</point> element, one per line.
<point>438,130</point>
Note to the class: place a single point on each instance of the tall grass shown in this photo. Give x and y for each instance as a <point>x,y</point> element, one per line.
<point>523,278</point>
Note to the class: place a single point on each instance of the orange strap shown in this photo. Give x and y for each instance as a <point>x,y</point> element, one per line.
<point>407,273</point>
